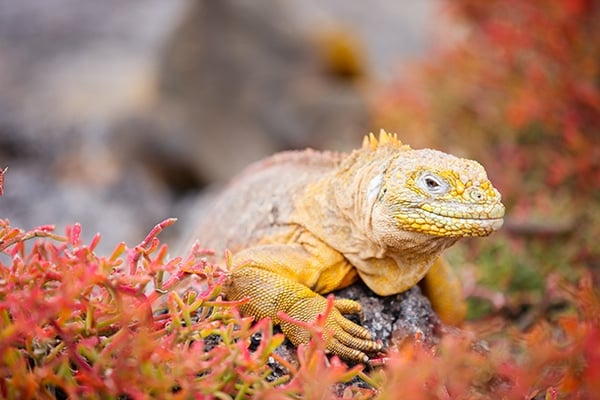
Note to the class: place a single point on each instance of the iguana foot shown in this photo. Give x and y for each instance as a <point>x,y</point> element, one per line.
<point>343,337</point>
<point>269,294</point>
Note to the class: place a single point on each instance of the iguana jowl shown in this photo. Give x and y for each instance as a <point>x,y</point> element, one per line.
<point>312,222</point>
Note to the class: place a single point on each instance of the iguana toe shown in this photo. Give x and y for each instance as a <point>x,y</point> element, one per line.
<point>347,306</point>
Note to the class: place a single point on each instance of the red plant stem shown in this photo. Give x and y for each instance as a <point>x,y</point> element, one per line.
<point>2,180</point>
<point>170,283</point>
<point>42,231</point>
<point>158,228</point>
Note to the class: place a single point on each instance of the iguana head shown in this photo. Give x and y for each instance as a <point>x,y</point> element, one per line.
<point>430,192</point>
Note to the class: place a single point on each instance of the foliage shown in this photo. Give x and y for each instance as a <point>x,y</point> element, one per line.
<point>524,75</point>
<point>74,324</point>
<point>484,361</point>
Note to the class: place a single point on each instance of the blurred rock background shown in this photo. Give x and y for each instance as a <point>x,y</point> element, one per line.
<point>117,113</point>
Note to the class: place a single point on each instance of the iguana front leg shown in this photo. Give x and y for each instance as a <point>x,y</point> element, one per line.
<point>286,278</point>
<point>444,290</point>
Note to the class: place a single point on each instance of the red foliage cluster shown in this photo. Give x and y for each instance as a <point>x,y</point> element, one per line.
<point>76,325</point>
<point>524,77</point>
<point>73,324</point>
<point>555,362</point>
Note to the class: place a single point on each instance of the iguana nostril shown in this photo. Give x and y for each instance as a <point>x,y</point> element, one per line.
<point>477,195</point>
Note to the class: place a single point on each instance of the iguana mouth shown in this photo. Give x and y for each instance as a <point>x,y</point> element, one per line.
<point>457,220</point>
<point>466,211</point>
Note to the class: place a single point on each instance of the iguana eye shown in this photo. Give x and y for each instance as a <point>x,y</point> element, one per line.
<point>432,183</point>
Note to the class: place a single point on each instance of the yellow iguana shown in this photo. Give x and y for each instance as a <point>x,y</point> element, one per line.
<point>312,222</point>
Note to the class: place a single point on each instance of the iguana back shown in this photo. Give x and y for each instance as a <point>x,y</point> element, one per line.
<point>259,202</point>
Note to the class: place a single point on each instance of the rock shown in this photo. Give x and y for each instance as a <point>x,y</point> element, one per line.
<point>393,318</point>
<point>241,80</point>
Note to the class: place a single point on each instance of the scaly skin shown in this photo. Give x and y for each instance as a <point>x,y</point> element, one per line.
<point>302,224</point>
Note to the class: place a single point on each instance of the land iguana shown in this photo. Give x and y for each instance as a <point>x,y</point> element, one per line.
<point>311,222</point>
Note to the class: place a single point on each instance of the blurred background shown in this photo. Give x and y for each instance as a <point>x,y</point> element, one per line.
<point>116,113</point>
<point>120,113</point>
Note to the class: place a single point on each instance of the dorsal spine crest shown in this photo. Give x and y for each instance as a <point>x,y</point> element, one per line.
<point>385,139</point>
